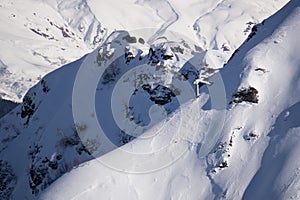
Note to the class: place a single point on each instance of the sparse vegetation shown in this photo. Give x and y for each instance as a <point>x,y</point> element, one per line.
<point>28,108</point>
<point>8,180</point>
<point>253,32</point>
<point>111,73</point>
<point>157,55</point>
<point>90,146</point>
<point>159,95</point>
<point>44,170</point>
<point>125,138</point>
<point>45,89</point>
<point>249,27</point>
<point>37,173</point>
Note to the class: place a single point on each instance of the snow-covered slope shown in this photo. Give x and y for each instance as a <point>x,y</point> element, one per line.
<point>51,142</point>
<point>257,156</point>
<point>40,36</point>
<point>37,37</point>
<point>158,140</point>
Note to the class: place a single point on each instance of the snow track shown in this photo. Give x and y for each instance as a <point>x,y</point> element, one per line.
<point>163,10</point>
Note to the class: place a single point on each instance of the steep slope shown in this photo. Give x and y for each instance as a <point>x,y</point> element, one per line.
<point>54,128</point>
<point>51,142</point>
<point>257,152</point>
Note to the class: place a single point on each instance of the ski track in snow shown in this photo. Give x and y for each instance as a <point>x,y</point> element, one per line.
<point>197,27</point>
<point>168,14</point>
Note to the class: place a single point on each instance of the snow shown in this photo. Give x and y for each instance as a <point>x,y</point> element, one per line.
<point>53,33</point>
<point>188,148</point>
<point>38,39</point>
<point>266,167</point>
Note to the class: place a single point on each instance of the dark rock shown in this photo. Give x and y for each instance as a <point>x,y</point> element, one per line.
<point>8,180</point>
<point>247,95</point>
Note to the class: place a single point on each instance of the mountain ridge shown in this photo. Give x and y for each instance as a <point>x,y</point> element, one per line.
<point>171,146</point>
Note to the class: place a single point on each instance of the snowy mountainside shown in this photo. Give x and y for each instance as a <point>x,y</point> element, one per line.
<point>51,142</point>
<point>48,152</point>
<point>40,36</point>
<point>218,26</point>
<point>37,37</point>
<point>257,154</point>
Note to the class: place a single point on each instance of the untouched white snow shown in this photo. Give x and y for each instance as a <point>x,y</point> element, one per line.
<point>259,142</point>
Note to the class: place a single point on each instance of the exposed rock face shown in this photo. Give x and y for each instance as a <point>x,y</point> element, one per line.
<point>246,94</point>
